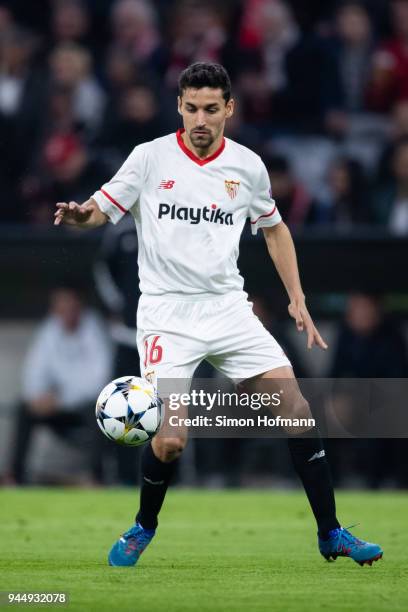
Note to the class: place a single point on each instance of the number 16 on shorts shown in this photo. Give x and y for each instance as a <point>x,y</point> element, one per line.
<point>153,351</point>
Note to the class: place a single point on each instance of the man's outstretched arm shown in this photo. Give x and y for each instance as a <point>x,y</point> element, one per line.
<point>283,254</point>
<point>86,215</point>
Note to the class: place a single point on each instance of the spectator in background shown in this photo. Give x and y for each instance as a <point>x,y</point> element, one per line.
<point>137,119</point>
<point>370,346</point>
<point>240,131</point>
<point>389,80</point>
<point>249,34</point>
<point>267,33</point>
<point>288,79</point>
<point>135,31</point>
<point>390,200</point>
<point>120,71</point>
<point>70,22</point>
<point>67,365</point>
<point>133,113</point>
<point>68,173</point>
<point>16,50</point>
<point>353,50</point>
<point>21,105</point>
<point>348,203</point>
<point>198,34</point>
<point>296,205</point>
<point>58,118</point>
<point>71,68</point>
<point>399,131</point>
<point>6,20</point>
<point>60,113</point>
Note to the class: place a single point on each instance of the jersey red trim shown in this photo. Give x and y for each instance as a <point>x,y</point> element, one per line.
<point>193,156</point>
<point>106,194</point>
<point>266,215</point>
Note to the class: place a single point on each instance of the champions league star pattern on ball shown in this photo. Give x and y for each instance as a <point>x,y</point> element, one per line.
<point>128,411</point>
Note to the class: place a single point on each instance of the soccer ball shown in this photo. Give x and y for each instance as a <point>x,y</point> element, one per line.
<point>129,411</point>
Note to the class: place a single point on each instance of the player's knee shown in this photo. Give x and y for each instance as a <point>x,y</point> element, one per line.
<point>300,417</point>
<point>302,408</point>
<point>169,449</point>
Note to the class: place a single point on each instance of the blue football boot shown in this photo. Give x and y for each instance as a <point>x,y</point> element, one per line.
<point>127,550</point>
<point>342,543</point>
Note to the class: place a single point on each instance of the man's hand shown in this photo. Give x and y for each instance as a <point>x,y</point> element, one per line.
<point>72,213</point>
<point>86,215</point>
<point>282,251</point>
<point>298,311</point>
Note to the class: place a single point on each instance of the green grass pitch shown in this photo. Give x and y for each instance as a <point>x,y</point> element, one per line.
<point>214,551</point>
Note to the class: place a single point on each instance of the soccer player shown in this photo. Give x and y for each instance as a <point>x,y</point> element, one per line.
<point>190,194</point>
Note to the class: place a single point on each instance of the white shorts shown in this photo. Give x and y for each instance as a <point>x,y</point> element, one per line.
<point>175,335</point>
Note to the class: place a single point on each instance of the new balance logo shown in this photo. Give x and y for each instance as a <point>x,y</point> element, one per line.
<point>153,482</point>
<point>166,184</point>
<point>211,214</point>
<point>318,455</point>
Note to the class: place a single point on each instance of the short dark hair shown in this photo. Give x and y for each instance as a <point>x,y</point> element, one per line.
<point>205,74</point>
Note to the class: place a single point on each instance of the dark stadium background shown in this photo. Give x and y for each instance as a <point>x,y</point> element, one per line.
<point>322,95</point>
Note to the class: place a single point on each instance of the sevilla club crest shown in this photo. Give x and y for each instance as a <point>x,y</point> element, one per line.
<point>232,188</point>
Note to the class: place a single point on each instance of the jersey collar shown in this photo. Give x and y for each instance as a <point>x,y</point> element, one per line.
<point>191,155</point>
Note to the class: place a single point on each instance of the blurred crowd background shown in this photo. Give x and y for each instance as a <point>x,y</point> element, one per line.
<point>321,87</point>
<point>322,94</point>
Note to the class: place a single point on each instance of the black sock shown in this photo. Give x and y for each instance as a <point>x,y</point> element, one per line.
<point>311,465</point>
<point>156,477</point>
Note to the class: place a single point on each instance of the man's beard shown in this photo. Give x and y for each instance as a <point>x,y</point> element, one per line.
<point>201,141</point>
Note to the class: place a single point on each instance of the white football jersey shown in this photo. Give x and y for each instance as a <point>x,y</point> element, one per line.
<point>189,213</point>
